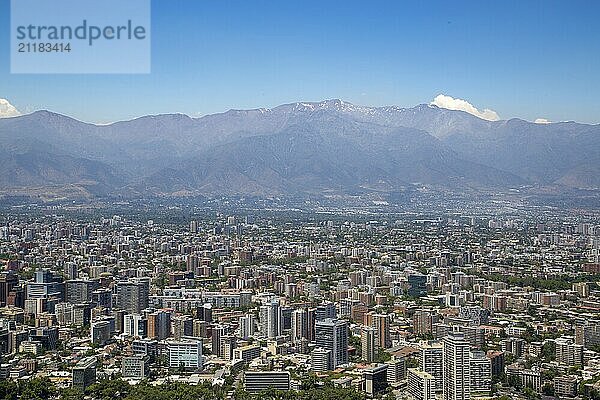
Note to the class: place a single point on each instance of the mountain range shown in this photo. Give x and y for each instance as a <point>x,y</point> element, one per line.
<point>312,148</point>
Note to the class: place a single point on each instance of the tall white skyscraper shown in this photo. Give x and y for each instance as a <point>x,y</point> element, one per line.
<point>270,320</point>
<point>431,361</point>
<point>456,373</point>
<point>246,326</point>
<point>481,374</point>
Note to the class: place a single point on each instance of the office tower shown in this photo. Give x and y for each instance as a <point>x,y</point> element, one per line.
<point>423,321</point>
<point>375,379</point>
<point>286,318</point>
<point>218,331</point>
<point>132,296</point>
<point>84,373</point>
<point>368,340</point>
<point>456,374</point>
<point>311,320</point>
<point>183,325</point>
<point>270,320</point>
<point>100,332</point>
<point>136,366</point>
<point>325,310</point>
<point>430,361</point>
<point>8,282</point>
<point>227,346</point>
<point>417,285</point>
<point>185,354</point>
<point>193,226</point>
<point>204,312</point>
<point>135,325</point>
<point>102,298</point>
<point>420,385</point>
<point>299,328</point>
<point>159,325</point>
<point>45,287</point>
<point>332,334</point>
<point>497,361</point>
<point>481,374</point>
<point>80,291</point>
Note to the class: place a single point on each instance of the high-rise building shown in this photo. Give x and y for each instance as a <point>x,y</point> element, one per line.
<point>321,360</point>
<point>299,328</point>
<point>588,334</point>
<point>8,281</point>
<point>132,296</point>
<point>136,366</point>
<point>84,373</point>
<point>135,325</point>
<point>569,353</point>
<point>481,374</point>
<point>185,354</point>
<point>228,344</point>
<point>381,323</point>
<point>100,332</point>
<point>204,312</point>
<point>159,325</point>
<point>396,370</point>
<point>368,336</point>
<point>102,298</point>
<point>311,320</point>
<point>183,325</point>
<point>375,379</point>
<point>270,320</point>
<point>218,331</point>
<point>417,285</point>
<point>80,291</point>
<point>431,361</point>
<point>423,321</point>
<point>420,385</point>
<point>456,374</point>
<point>246,326</point>
<point>325,311</point>
<point>70,270</point>
<point>332,334</point>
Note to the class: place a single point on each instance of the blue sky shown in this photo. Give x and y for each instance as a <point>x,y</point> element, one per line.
<point>527,59</point>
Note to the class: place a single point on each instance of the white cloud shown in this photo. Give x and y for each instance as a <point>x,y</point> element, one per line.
<point>451,103</point>
<point>7,109</point>
<point>542,121</point>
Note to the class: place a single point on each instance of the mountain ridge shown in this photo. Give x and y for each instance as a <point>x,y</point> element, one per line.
<point>335,146</point>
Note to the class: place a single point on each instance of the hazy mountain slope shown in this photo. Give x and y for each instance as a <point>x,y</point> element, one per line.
<point>328,146</point>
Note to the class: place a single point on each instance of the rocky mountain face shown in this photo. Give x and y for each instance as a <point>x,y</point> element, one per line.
<point>300,148</point>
